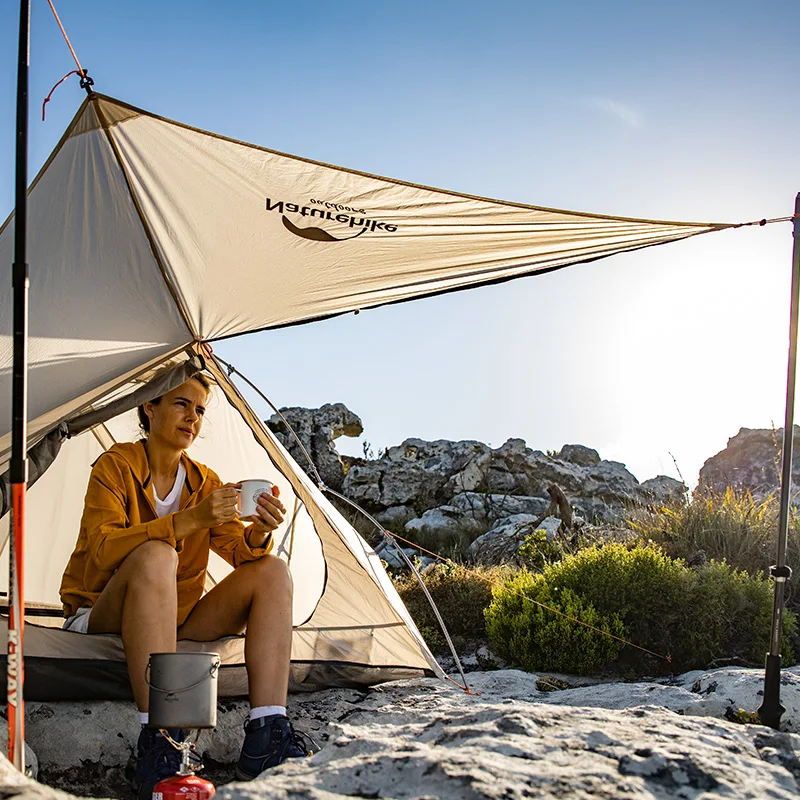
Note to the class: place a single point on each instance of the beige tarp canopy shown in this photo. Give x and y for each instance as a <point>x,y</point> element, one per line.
<point>149,238</point>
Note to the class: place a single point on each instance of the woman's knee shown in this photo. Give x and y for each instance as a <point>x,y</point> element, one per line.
<point>273,573</point>
<point>153,562</point>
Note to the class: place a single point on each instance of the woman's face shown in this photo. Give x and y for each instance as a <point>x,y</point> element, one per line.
<point>177,419</point>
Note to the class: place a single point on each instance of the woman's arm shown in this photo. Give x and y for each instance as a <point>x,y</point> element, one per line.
<point>110,536</point>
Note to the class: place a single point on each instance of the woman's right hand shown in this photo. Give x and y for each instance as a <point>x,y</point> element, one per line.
<point>218,507</point>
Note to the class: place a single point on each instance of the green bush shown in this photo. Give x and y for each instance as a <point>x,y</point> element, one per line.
<point>732,526</point>
<point>538,551</point>
<point>640,594</point>
<point>460,594</point>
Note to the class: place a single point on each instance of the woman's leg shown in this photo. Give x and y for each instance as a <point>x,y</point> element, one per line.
<point>258,596</point>
<point>141,603</point>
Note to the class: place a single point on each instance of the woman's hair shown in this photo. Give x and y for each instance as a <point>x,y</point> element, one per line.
<point>144,420</point>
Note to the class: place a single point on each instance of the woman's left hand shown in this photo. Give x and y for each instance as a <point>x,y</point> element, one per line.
<point>269,514</point>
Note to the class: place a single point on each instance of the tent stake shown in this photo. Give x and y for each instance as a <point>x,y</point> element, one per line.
<point>771,710</point>
<point>19,425</point>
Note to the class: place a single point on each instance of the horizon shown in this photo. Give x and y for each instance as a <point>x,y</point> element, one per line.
<point>681,113</point>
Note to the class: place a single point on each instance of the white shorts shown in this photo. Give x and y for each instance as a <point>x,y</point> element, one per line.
<point>79,622</point>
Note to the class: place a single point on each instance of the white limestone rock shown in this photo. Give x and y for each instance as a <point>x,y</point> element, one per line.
<point>501,544</point>
<point>445,520</point>
<point>317,428</point>
<point>426,739</point>
<point>662,489</point>
<point>8,772</point>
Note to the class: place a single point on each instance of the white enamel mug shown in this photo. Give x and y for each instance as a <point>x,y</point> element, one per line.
<point>249,493</point>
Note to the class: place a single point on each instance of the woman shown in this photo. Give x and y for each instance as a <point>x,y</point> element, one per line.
<point>150,516</point>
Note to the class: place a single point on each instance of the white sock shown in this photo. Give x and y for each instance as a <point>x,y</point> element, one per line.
<point>144,717</point>
<point>267,711</point>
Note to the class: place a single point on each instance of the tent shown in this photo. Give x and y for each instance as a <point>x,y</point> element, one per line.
<point>151,240</point>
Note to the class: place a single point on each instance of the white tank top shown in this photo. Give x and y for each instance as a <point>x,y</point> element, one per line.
<point>171,503</point>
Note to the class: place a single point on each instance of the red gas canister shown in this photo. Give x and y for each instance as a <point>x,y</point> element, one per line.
<point>184,787</point>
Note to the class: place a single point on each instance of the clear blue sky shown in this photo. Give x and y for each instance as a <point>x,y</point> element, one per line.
<point>676,111</point>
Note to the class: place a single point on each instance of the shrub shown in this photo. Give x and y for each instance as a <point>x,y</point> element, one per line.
<point>538,551</point>
<point>638,593</point>
<point>534,638</point>
<point>460,594</point>
<point>731,526</point>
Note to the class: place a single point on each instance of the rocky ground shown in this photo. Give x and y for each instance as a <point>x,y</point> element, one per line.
<point>515,736</point>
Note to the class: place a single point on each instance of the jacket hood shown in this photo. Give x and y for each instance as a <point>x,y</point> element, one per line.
<point>135,456</point>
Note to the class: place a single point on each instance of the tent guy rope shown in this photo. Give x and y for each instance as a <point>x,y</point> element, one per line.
<point>86,81</point>
<point>81,71</point>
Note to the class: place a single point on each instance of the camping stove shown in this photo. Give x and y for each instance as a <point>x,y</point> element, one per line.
<point>185,785</point>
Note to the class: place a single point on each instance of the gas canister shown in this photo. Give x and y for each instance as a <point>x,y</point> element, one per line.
<point>184,787</point>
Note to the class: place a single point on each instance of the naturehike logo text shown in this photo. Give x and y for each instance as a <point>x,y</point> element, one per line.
<point>346,226</point>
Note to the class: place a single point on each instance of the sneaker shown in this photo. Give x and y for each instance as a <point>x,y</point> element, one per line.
<point>157,759</point>
<point>269,741</point>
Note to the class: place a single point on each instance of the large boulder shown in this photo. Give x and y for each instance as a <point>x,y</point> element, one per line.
<point>579,454</point>
<point>317,429</point>
<point>663,489</point>
<point>445,521</point>
<point>750,462</point>
<point>501,544</point>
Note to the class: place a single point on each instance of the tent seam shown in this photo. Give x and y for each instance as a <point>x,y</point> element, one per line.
<point>140,213</point>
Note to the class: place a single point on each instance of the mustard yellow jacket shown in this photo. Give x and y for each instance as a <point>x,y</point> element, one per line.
<point>119,515</point>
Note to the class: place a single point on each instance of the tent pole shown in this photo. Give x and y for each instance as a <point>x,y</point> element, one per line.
<point>771,710</point>
<point>19,461</point>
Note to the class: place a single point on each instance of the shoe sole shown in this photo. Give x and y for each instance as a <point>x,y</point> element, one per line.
<point>241,775</point>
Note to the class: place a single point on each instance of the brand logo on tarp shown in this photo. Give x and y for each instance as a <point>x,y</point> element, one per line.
<point>321,221</point>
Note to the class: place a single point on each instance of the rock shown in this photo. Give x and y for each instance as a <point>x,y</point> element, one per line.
<point>578,454</point>
<point>489,508</point>
<point>427,738</point>
<point>750,462</point>
<point>501,544</point>
<point>395,517</point>
<point>14,784</point>
<point>407,483</point>
<point>317,428</point>
<point>662,489</point>
<point>389,554</point>
<point>488,484</point>
<point>610,481</point>
<point>362,484</point>
<point>550,526</point>
<point>31,761</point>
<point>444,521</point>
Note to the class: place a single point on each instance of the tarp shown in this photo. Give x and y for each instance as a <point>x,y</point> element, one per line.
<point>148,234</point>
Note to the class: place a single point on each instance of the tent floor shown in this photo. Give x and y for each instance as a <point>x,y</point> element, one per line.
<point>60,665</point>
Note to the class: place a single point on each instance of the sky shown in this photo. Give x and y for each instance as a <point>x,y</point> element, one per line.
<point>680,111</point>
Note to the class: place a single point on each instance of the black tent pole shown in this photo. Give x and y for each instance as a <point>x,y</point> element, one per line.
<point>771,709</point>
<point>19,410</point>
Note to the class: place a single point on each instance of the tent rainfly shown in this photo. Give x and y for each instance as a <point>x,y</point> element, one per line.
<point>152,239</point>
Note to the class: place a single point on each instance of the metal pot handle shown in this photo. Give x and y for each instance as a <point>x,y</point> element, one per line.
<point>211,672</point>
